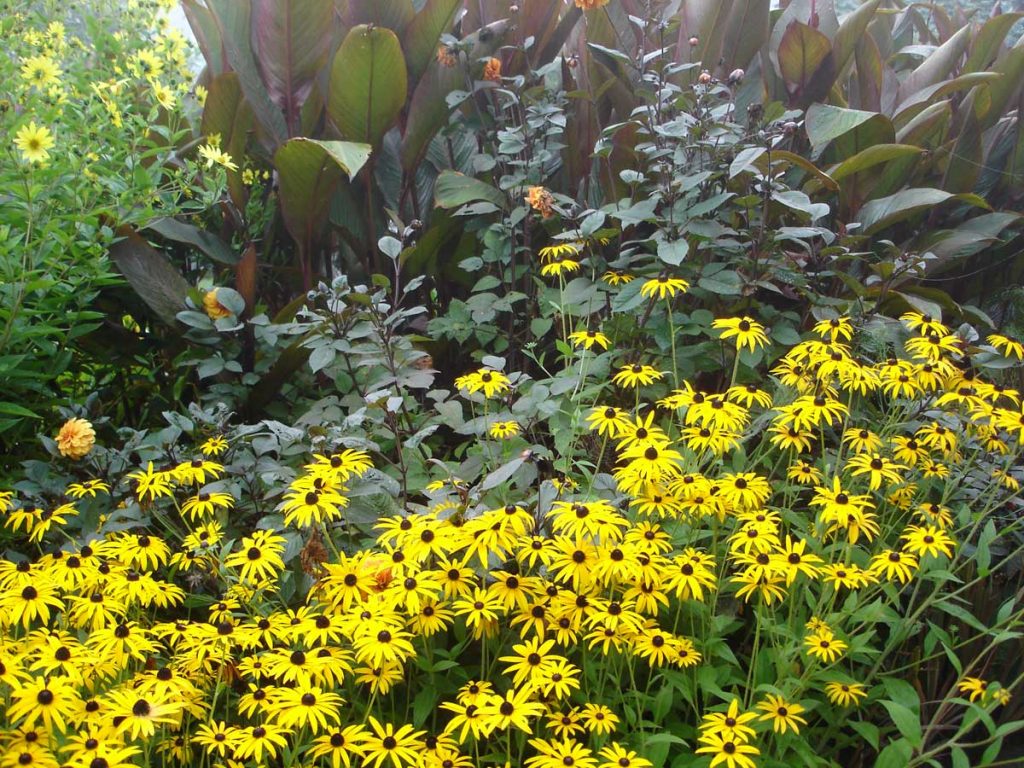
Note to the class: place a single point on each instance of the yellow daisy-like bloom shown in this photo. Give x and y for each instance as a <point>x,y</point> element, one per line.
<point>729,752</point>
<point>485,380</point>
<point>745,330</point>
<point>782,714</point>
<point>834,328</point>
<point>35,142</point>
<point>894,565</point>
<point>214,309</point>
<point>40,71</point>
<point>662,287</point>
<point>845,694</point>
<point>924,324</point>
<point>825,646</point>
<point>214,446</point>
<point>974,687</point>
<point>588,339</point>
<point>76,438</point>
<point>613,277</point>
<point>1006,346</point>
<point>635,375</point>
<point>502,430</point>
<point>559,266</point>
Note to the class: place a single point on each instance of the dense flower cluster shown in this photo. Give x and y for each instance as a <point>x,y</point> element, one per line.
<point>538,614</point>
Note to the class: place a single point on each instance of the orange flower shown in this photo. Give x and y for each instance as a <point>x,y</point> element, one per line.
<point>589,5</point>
<point>214,308</point>
<point>492,70</point>
<point>76,438</point>
<point>541,201</point>
<point>446,57</point>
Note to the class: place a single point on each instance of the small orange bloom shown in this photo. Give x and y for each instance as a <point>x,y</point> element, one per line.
<point>542,201</point>
<point>492,70</point>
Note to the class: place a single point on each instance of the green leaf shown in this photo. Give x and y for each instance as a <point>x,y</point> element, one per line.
<point>150,274</point>
<point>805,62</point>
<point>850,32</point>
<point>673,252</point>
<point>908,723</point>
<point>308,171</point>
<point>903,693</point>
<point>868,731</point>
<point>886,211</point>
<point>13,409</point>
<point>937,66</point>
<point>985,45</point>
<point>872,156</point>
<point>502,474</point>
<point>895,755</point>
<point>861,129</point>
<point>368,84</point>
<point>453,189</point>
<point>422,34</point>
<point>203,241</point>
<point>291,39</point>
<point>234,23</point>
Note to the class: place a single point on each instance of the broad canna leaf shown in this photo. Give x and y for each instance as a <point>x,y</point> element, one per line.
<point>886,211</point>
<point>308,171</point>
<point>150,274</point>
<point>988,43</point>
<point>207,35</point>
<point>937,67</point>
<point>871,157</point>
<point>851,30</point>
<point>422,33</point>
<point>453,189</point>
<point>368,84</point>
<point>805,63</point>
<point>234,23</point>
<point>291,39</point>
<point>852,129</point>
<point>202,240</point>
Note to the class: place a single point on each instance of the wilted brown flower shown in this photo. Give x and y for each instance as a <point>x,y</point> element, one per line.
<point>542,201</point>
<point>492,70</point>
<point>76,438</point>
<point>446,57</point>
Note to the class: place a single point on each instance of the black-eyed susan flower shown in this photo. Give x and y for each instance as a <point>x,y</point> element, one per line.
<point>503,430</point>
<point>617,756</point>
<point>974,687</point>
<point>928,540</point>
<point>745,331</point>
<point>598,718</point>
<point>664,287</point>
<point>86,488</point>
<point>214,445</point>
<point>636,375</point>
<point>1006,346</point>
<point>845,694</point>
<point>589,339</point>
<point>384,744</point>
<point>835,328</point>
<point>260,742</point>
<point>560,754</point>
<point>824,645</point>
<point>923,323</point>
<point>339,746</point>
<point>894,565</point>
<point>782,714</point>
<point>616,277</point>
<point>485,380</point>
<point>727,751</point>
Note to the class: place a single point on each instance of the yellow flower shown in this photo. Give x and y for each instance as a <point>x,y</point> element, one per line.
<point>76,438</point>
<point>40,71</point>
<point>664,287</point>
<point>213,155</point>
<point>503,429</point>
<point>588,339</point>
<point>214,309</point>
<point>1006,346</point>
<point>34,141</point>
<point>747,332</point>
